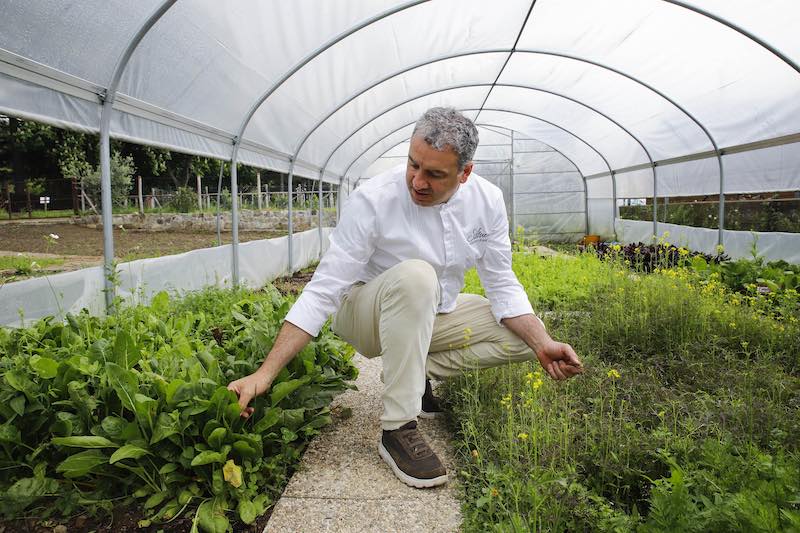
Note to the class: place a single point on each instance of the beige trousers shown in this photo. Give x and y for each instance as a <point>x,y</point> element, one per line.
<point>394,316</point>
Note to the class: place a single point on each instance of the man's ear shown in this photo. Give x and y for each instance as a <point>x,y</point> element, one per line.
<point>466,172</point>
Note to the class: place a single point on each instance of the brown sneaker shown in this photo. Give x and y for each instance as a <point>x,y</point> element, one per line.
<point>430,403</point>
<point>412,460</point>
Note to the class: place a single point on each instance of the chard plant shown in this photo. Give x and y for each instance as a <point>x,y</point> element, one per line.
<point>133,409</point>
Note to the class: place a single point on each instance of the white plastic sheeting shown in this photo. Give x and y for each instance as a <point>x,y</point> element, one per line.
<point>609,84</point>
<point>260,262</point>
<point>738,244</point>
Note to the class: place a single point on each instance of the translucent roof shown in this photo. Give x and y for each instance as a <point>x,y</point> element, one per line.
<point>612,85</point>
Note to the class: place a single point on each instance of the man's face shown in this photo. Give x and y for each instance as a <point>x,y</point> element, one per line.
<point>432,176</point>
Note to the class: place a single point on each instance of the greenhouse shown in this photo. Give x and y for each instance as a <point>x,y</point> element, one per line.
<point>653,145</point>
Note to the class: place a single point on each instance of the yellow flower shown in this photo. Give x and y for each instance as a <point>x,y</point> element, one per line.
<point>733,325</point>
<point>232,473</point>
<point>475,454</point>
<point>720,249</point>
<point>494,492</point>
<point>529,376</point>
<point>616,247</point>
<point>536,384</point>
<point>523,436</point>
<point>613,374</point>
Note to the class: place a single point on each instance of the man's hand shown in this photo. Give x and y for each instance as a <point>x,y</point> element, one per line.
<point>559,360</point>
<point>248,388</point>
<point>290,340</point>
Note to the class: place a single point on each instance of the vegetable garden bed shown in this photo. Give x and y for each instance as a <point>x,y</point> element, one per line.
<point>132,412</point>
<point>687,418</point>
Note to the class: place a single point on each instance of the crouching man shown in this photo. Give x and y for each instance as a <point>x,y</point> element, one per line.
<point>391,279</point>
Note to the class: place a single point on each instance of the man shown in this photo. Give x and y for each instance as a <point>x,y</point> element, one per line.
<point>392,277</point>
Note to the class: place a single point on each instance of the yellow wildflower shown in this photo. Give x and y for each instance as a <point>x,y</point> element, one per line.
<point>523,436</point>
<point>613,374</point>
<point>494,492</point>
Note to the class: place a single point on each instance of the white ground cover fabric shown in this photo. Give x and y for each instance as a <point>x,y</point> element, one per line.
<point>69,292</point>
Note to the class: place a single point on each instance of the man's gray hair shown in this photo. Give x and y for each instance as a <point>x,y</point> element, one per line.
<point>444,126</point>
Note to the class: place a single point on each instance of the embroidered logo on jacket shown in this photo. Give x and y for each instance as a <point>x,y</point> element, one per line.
<point>478,234</point>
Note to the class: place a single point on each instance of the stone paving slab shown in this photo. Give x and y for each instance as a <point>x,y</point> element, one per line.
<point>343,485</point>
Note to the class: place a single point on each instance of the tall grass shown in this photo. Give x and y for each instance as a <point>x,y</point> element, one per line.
<point>686,419</point>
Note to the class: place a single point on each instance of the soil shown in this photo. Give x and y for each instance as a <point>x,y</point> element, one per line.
<point>87,243</point>
<point>294,284</point>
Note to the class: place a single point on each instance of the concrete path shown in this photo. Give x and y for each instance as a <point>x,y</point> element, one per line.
<point>342,485</point>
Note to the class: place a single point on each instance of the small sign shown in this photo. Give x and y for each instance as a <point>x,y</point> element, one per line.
<point>44,199</point>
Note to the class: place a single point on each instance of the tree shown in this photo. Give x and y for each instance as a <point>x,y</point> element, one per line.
<point>33,186</point>
<point>122,171</point>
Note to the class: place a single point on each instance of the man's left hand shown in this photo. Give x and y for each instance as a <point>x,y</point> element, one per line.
<point>559,360</point>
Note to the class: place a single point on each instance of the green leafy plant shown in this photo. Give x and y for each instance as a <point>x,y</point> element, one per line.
<point>134,408</point>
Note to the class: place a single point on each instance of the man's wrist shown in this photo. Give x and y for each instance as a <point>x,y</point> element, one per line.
<point>264,376</point>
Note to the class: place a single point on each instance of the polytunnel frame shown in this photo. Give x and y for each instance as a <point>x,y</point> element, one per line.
<point>108,95</point>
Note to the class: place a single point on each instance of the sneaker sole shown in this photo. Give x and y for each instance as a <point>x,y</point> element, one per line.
<point>434,414</point>
<point>405,478</point>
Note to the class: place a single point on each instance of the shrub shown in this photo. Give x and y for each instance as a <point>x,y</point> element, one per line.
<point>184,200</point>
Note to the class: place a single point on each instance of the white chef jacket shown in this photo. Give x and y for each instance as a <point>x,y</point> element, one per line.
<point>380,226</point>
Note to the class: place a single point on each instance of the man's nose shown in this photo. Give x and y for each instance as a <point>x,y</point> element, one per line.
<point>419,182</point>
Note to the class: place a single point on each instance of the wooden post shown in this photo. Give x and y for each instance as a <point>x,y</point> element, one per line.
<point>83,197</point>
<point>9,188</point>
<point>139,187</point>
<point>258,189</point>
<point>266,193</point>
<point>74,195</point>
<point>208,198</point>
<point>199,192</point>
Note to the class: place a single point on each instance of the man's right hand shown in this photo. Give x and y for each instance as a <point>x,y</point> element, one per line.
<point>248,388</point>
<point>289,341</point>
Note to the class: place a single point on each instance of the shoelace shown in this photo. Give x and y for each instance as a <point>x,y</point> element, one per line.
<point>416,445</point>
